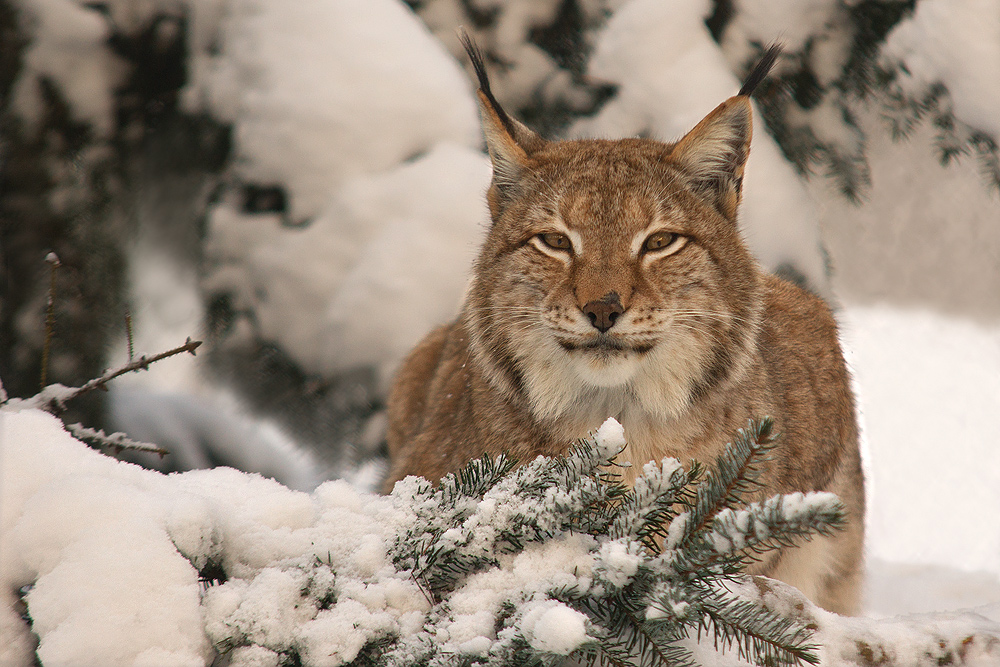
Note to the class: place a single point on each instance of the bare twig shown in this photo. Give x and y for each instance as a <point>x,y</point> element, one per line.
<point>115,441</point>
<point>53,398</point>
<point>50,316</point>
<point>128,334</point>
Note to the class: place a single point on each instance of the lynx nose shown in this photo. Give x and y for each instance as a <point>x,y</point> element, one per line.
<point>604,312</point>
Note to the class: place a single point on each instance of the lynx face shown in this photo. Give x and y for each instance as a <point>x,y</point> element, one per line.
<point>611,276</point>
<point>614,275</point>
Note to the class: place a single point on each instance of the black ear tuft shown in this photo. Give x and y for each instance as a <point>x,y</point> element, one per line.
<point>761,69</point>
<point>476,57</point>
<point>479,65</point>
<point>509,142</point>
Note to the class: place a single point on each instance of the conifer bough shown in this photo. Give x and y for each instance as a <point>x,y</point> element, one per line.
<point>561,559</point>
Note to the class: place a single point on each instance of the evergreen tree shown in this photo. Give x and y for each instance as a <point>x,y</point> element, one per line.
<point>812,102</point>
<point>832,71</point>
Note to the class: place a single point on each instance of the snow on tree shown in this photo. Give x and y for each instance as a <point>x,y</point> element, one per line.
<point>907,59</point>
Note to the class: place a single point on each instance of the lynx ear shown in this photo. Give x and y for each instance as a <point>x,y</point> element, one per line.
<point>509,142</point>
<point>715,152</point>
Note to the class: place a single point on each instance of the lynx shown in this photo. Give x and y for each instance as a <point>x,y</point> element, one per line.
<point>614,282</point>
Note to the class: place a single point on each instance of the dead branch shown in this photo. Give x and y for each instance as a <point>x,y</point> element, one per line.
<point>53,398</point>
<point>116,441</point>
<point>50,315</point>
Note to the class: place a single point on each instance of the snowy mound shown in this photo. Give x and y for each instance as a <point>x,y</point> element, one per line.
<point>385,262</point>
<point>123,566</point>
<point>313,103</point>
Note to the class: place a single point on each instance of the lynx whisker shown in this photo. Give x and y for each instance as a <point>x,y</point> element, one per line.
<point>706,314</point>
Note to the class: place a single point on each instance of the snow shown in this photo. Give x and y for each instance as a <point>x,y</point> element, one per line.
<point>165,308</point>
<point>433,218</point>
<point>109,585</point>
<point>555,628</point>
<point>664,470</point>
<point>618,561</point>
<point>611,436</point>
<point>525,71</point>
<point>208,427</point>
<point>68,48</point>
<point>968,637</point>
<point>792,21</point>
<point>929,391</point>
<point>675,531</point>
<point>385,262</point>
<point>958,44</point>
<point>559,563</point>
<point>896,588</point>
<point>905,641</point>
<point>796,505</point>
<point>289,76</point>
<point>336,636</point>
<point>112,551</point>
<point>376,142</point>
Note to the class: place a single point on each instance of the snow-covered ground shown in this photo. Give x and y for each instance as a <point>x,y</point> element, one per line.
<point>929,395</point>
<point>108,555</point>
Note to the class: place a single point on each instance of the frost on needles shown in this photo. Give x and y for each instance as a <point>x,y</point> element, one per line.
<point>525,565</point>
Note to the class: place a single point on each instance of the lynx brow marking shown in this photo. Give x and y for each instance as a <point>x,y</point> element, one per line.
<point>656,226</point>
<point>576,241</point>
<point>641,237</point>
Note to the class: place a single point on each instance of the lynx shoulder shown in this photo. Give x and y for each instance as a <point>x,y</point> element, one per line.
<point>614,282</point>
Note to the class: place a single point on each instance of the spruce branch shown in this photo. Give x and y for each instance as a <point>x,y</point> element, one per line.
<point>647,509</point>
<point>632,598</point>
<point>629,639</point>
<point>759,634</point>
<point>734,474</point>
<point>779,521</point>
<point>636,647</point>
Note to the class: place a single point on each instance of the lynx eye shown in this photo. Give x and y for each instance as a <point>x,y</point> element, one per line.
<point>660,240</point>
<point>556,241</point>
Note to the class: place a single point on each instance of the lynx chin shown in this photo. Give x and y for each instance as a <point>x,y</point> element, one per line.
<point>614,282</point>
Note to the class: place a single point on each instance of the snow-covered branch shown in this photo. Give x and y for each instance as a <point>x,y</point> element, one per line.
<point>54,397</point>
<point>116,442</point>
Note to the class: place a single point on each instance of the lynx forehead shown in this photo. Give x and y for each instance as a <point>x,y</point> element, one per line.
<point>614,282</point>
<point>613,199</point>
